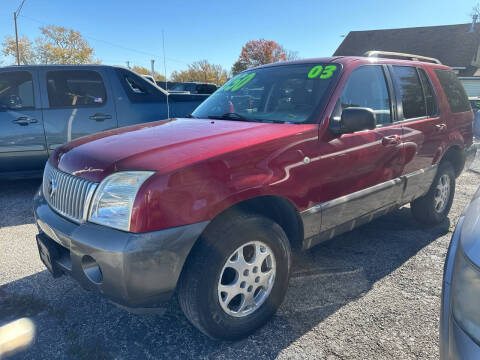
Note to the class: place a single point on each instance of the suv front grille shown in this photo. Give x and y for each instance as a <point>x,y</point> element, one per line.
<point>67,194</point>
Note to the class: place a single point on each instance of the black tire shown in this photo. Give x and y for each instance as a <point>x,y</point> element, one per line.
<point>423,208</point>
<point>198,285</point>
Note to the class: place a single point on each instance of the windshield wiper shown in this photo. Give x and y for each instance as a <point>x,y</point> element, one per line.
<point>190,116</point>
<point>272,121</point>
<point>230,116</point>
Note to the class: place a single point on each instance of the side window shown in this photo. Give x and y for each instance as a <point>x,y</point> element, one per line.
<point>430,99</point>
<point>137,88</point>
<point>75,88</point>
<point>16,90</point>
<point>410,90</point>
<point>366,87</point>
<point>456,95</point>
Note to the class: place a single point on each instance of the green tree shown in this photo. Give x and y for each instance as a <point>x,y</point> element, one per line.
<point>144,71</point>
<point>57,45</point>
<point>201,71</point>
<point>60,45</point>
<point>258,52</point>
<point>239,66</point>
<point>25,49</point>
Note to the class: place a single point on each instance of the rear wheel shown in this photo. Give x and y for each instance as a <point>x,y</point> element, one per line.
<point>236,277</point>
<point>433,207</point>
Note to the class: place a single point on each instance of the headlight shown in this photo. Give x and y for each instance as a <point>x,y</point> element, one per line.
<point>113,200</point>
<point>465,294</point>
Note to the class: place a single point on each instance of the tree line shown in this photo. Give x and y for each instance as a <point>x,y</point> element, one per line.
<point>59,45</point>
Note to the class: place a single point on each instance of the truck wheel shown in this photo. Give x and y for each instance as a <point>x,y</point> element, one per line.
<point>433,207</point>
<point>236,277</point>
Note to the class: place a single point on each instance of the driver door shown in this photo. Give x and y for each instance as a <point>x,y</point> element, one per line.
<point>22,137</point>
<point>360,170</point>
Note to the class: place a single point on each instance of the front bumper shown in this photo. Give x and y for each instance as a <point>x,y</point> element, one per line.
<point>454,342</point>
<point>136,271</point>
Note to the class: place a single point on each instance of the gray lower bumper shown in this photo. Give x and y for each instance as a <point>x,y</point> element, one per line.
<point>136,271</point>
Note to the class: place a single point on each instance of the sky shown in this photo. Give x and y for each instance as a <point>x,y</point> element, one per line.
<point>215,30</point>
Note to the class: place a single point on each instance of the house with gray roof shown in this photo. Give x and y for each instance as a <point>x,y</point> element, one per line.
<point>454,45</point>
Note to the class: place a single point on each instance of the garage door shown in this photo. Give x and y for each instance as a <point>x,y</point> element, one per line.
<point>472,86</point>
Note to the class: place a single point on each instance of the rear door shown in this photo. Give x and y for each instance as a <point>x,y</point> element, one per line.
<point>77,104</point>
<point>22,138</point>
<point>418,113</point>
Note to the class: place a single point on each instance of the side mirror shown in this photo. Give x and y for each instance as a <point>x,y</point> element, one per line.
<point>357,119</point>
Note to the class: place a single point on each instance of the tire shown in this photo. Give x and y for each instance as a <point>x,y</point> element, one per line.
<point>199,289</point>
<point>426,209</point>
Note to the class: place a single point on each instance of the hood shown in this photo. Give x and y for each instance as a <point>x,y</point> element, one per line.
<point>163,146</point>
<point>470,235</point>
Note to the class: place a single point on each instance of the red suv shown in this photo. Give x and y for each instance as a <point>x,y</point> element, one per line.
<point>281,157</point>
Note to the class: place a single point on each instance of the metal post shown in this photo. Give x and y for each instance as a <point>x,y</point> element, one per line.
<point>16,37</point>
<point>153,69</point>
<point>15,14</point>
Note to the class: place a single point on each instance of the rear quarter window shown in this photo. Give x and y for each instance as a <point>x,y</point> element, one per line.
<point>139,89</point>
<point>453,89</point>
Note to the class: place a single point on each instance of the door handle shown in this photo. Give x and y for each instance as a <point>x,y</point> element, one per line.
<point>24,121</point>
<point>441,127</point>
<point>100,117</point>
<point>391,140</point>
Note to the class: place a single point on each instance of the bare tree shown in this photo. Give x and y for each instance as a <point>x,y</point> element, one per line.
<point>475,10</point>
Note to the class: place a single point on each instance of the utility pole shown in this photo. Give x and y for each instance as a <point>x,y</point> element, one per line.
<point>153,69</point>
<point>128,64</point>
<point>15,14</point>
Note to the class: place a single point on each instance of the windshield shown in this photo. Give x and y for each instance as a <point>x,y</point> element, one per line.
<point>287,93</point>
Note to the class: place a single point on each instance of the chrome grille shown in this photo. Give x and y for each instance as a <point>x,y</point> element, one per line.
<point>67,194</point>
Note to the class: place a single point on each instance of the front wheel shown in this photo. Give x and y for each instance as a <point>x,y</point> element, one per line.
<point>236,277</point>
<point>434,206</point>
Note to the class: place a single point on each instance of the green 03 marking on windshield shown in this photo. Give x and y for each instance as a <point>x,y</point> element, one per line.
<point>315,71</point>
<point>326,73</point>
<point>239,82</point>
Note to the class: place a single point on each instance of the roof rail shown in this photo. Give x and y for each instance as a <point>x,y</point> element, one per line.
<point>387,54</point>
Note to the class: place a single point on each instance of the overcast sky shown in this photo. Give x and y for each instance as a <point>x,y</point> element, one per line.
<point>215,30</point>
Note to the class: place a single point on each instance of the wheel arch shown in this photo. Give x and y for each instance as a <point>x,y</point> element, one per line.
<point>277,208</point>
<point>456,157</point>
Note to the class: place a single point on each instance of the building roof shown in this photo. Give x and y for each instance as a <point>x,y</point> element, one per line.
<point>453,45</point>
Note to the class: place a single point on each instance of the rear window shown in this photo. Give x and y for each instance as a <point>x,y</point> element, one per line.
<point>456,95</point>
<point>411,91</point>
<point>75,88</point>
<point>16,90</point>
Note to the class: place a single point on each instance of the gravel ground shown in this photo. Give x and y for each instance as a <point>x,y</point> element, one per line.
<point>373,293</point>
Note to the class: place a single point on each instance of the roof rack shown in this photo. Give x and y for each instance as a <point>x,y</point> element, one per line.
<point>387,54</point>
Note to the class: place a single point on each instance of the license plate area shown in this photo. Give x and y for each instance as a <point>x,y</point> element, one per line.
<point>49,254</point>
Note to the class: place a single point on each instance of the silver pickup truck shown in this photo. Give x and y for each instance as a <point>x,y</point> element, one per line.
<point>44,106</point>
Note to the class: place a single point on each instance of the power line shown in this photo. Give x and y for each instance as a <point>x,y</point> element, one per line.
<point>113,44</point>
